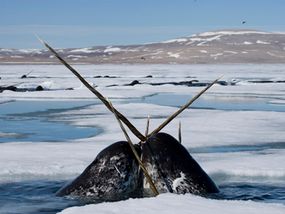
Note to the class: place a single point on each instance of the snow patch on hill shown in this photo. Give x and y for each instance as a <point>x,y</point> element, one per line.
<point>112,49</point>
<point>213,33</point>
<point>171,203</point>
<point>175,55</point>
<point>83,50</point>
<point>175,40</point>
<point>262,42</point>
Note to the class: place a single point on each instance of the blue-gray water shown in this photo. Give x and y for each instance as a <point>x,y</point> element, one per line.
<point>229,104</point>
<point>34,197</point>
<point>34,121</point>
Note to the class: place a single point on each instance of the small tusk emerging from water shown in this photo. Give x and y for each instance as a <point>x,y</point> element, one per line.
<point>147,125</point>
<point>148,177</point>
<point>179,133</point>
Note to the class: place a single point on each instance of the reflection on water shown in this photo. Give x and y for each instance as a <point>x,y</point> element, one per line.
<point>38,197</point>
<point>34,121</point>
<point>254,192</point>
<point>177,100</point>
<point>33,197</point>
<point>238,148</point>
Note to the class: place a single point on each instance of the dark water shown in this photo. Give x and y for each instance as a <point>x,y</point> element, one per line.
<point>239,148</point>
<point>252,191</point>
<point>34,121</point>
<point>229,104</point>
<point>39,196</point>
<point>35,197</point>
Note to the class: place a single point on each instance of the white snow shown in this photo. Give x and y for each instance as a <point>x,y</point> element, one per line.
<point>215,56</point>
<point>175,55</point>
<point>245,166</point>
<point>274,54</point>
<point>112,49</point>
<point>47,84</point>
<point>16,56</point>
<point>84,50</point>
<point>202,41</point>
<point>231,52</point>
<point>76,56</point>
<point>44,84</point>
<point>6,50</point>
<point>262,42</point>
<point>232,33</point>
<point>170,203</point>
<point>247,43</point>
<point>175,40</point>
<point>28,51</point>
<point>200,128</point>
<point>24,51</point>
<point>278,102</point>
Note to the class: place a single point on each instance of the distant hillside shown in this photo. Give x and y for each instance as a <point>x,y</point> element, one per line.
<point>227,46</point>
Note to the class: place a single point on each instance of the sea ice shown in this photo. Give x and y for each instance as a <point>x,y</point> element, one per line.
<point>230,145</point>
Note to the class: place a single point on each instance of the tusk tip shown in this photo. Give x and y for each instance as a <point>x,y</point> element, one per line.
<point>39,38</point>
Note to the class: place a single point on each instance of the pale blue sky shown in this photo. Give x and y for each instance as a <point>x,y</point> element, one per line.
<point>82,23</point>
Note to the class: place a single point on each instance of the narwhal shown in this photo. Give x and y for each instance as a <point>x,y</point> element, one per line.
<point>158,163</point>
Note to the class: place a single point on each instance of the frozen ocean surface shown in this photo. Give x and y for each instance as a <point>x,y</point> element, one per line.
<point>235,131</point>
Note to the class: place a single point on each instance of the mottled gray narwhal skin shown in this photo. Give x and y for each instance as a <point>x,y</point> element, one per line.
<point>113,175</point>
<point>172,168</point>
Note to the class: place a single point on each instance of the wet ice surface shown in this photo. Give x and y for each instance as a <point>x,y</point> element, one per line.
<point>237,104</point>
<point>236,133</point>
<point>35,121</point>
<point>39,196</point>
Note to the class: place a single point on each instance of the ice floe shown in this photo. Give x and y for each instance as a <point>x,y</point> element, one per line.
<point>230,145</point>
<point>170,203</point>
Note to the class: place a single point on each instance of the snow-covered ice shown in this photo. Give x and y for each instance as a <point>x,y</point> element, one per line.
<point>230,145</point>
<point>170,203</point>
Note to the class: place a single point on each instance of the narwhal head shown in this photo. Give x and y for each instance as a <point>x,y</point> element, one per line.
<point>166,164</point>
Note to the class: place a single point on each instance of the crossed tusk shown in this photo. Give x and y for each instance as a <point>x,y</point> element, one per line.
<point>148,177</point>
<point>175,114</point>
<point>97,93</point>
<point>121,116</point>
